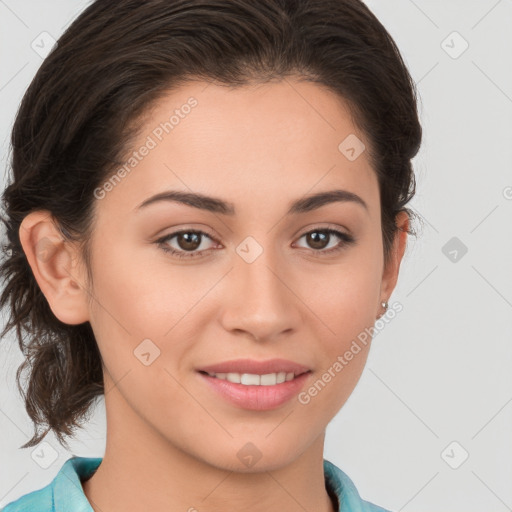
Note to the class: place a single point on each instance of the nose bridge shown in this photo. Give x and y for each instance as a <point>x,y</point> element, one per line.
<point>261,302</point>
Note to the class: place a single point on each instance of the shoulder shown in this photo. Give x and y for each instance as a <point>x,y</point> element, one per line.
<point>36,501</point>
<point>342,486</point>
<point>63,493</point>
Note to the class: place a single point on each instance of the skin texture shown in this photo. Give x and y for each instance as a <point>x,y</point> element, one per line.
<point>172,443</point>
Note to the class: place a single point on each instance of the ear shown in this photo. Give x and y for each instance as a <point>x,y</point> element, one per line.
<point>390,272</point>
<point>55,265</point>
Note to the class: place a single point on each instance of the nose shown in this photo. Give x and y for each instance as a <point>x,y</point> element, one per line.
<point>260,299</point>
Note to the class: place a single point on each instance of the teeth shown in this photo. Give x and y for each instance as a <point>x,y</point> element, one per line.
<point>251,379</point>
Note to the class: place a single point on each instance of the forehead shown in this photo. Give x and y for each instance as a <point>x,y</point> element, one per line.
<point>251,143</point>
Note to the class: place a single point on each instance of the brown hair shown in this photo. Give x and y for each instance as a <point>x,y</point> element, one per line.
<point>84,107</point>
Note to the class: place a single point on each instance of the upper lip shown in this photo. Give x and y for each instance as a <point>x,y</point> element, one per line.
<point>255,367</point>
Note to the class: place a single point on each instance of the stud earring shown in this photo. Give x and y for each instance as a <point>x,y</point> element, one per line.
<point>385,305</point>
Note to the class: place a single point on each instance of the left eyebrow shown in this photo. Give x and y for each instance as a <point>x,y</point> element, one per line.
<point>216,205</point>
<point>315,201</point>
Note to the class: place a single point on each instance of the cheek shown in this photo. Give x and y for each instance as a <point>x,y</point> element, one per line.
<point>140,298</point>
<point>345,296</point>
<point>346,308</point>
<point>135,292</point>
<point>331,388</point>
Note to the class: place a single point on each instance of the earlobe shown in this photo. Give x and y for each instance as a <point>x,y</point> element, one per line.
<point>390,273</point>
<point>54,263</point>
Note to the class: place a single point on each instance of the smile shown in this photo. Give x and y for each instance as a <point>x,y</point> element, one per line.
<point>252,379</point>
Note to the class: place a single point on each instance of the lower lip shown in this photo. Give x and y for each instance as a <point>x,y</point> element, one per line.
<point>257,398</point>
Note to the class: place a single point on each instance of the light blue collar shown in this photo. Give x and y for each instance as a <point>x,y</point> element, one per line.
<point>65,492</point>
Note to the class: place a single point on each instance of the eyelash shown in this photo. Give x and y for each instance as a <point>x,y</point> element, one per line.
<point>346,240</point>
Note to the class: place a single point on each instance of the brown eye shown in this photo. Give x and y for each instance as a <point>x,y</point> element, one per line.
<point>319,239</point>
<point>187,243</point>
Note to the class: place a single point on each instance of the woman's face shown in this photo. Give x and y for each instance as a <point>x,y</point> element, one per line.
<point>263,280</point>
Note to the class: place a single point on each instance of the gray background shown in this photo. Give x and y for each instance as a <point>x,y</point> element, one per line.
<point>440,372</point>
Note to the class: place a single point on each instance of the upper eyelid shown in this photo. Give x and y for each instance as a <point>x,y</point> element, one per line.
<point>312,227</point>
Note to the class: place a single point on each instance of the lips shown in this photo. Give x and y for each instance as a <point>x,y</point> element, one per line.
<point>253,366</point>
<point>255,396</point>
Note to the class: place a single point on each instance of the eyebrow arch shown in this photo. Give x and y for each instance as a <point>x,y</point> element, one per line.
<point>215,205</point>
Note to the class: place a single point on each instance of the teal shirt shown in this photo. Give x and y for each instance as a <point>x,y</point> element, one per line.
<point>65,493</point>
